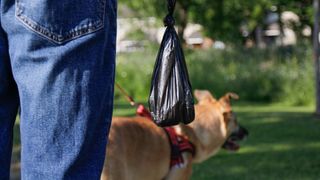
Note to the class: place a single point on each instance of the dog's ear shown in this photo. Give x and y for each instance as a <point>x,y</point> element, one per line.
<point>201,95</point>
<point>226,99</point>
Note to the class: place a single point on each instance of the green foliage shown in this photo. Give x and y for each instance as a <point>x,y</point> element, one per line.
<point>146,8</point>
<point>256,75</point>
<point>134,71</point>
<point>136,34</point>
<point>271,75</point>
<point>223,19</point>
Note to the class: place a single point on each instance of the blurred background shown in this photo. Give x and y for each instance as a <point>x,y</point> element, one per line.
<point>260,49</point>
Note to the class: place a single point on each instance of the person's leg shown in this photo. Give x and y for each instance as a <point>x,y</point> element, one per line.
<point>9,102</point>
<point>63,60</point>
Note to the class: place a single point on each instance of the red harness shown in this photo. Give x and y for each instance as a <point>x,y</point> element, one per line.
<point>178,143</point>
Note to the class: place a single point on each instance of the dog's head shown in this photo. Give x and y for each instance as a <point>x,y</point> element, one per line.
<point>234,131</point>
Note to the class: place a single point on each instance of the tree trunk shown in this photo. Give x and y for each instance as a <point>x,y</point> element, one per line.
<point>182,11</point>
<point>258,37</point>
<point>316,54</point>
<point>279,12</point>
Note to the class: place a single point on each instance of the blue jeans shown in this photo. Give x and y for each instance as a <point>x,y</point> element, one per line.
<point>57,63</point>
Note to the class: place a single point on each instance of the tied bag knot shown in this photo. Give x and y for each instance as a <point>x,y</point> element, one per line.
<point>169,21</point>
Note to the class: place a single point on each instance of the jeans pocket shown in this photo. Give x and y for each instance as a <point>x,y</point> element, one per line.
<point>61,21</point>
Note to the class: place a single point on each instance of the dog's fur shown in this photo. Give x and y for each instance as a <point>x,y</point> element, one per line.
<point>139,150</point>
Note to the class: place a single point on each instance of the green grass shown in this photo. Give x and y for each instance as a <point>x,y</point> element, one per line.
<point>284,143</point>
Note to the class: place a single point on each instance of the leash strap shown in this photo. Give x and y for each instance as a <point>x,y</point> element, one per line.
<point>126,95</point>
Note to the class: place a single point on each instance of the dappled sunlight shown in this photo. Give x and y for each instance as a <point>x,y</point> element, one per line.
<point>259,121</point>
<point>285,164</point>
<point>237,170</point>
<point>283,143</point>
<point>260,108</point>
<point>264,148</point>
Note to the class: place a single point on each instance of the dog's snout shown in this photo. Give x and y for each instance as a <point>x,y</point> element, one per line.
<point>240,134</point>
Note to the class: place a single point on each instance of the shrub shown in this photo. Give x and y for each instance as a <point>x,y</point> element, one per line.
<point>268,75</point>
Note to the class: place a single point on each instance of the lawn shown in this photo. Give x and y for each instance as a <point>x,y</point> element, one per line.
<point>284,143</point>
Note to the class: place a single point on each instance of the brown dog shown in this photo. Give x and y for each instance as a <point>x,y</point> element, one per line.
<point>139,150</point>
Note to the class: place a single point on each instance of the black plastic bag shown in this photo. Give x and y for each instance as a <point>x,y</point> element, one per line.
<point>171,100</point>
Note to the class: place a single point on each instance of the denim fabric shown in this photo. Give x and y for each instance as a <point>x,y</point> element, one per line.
<point>57,61</point>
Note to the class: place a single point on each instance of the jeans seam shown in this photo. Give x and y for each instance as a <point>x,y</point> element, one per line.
<point>60,38</point>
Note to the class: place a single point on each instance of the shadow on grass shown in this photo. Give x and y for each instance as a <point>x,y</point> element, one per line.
<point>281,145</point>
<point>299,163</point>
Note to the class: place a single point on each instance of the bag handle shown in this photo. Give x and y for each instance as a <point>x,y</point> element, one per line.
<point>169,20</point>
<point>171,6</point>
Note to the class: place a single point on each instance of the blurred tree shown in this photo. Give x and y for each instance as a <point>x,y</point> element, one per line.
<point>316,53</point>
<point>158,8</point>
<point>223,19</point>
<point>303,8</point>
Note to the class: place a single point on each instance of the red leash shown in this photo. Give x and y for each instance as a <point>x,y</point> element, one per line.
<point>126,95</point>
<point>141,109</point>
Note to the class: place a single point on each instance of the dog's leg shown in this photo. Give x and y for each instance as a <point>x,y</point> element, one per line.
<point>118,175</point>
<point>184,172</point>
<point>115,172</point>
